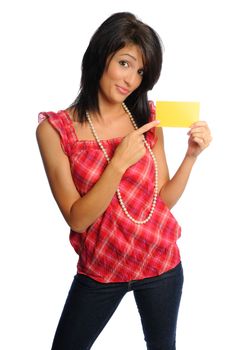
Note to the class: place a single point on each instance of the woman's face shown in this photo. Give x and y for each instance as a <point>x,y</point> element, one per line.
<point>122,75</point>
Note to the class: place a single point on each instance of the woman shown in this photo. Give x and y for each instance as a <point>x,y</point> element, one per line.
<point>106,166</point>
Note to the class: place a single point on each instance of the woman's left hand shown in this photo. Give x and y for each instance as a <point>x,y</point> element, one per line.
<point>199,138</point>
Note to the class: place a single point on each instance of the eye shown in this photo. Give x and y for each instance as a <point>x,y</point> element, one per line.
<point>124,63</point>
<point>141,72</point>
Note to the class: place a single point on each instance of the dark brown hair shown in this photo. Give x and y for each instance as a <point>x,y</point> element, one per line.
<point>113,34</point>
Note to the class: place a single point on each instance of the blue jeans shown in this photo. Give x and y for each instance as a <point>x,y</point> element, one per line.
<point>90,305</point>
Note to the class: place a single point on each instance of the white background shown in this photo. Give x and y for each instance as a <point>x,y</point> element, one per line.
<point>42,43</point>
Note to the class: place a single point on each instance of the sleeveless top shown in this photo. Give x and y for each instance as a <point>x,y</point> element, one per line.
<point>113,248</point>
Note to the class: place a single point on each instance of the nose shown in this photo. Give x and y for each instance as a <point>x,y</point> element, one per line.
<point>131,78</point>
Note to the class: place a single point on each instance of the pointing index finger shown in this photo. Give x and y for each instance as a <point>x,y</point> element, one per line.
<point>147,127</point>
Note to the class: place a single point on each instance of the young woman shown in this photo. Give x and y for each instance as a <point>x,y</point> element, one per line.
<point>107,170</point>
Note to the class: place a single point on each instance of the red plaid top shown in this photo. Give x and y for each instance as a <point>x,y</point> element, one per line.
<point>113,248</point>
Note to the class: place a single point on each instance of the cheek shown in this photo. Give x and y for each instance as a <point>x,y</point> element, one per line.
<point>104,82</point>
<point>138,82</point>
<point>108,77</point>
<point>114,73</point>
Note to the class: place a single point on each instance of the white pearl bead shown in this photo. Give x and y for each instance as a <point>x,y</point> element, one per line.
<point>154,200</point>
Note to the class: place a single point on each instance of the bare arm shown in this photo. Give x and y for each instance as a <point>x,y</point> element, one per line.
<point>80,212</point>
<point>172,189</point>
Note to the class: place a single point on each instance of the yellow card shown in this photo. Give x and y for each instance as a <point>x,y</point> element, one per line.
<point>177,114</point>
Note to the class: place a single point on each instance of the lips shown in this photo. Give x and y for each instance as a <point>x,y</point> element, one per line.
<point>122,90</point>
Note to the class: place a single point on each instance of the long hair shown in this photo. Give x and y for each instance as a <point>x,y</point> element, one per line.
<point>113,34</point>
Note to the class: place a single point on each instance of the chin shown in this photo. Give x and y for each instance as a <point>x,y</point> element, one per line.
<point>118,100</point>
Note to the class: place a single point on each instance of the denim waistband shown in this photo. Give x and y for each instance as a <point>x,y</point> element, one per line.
<point>133,284</point>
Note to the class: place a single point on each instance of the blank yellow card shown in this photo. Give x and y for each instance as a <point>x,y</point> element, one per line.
<point>177,114</point>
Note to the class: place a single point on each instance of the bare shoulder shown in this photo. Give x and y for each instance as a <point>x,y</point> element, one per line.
<point>161,158</point>
<point>160,137</point>
<point>49,144</point>
<point>48,139</point>
<point>159,132</point>
<point>44,129</point>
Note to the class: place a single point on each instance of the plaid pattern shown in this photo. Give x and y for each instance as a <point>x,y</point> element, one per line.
<point>113,248</point>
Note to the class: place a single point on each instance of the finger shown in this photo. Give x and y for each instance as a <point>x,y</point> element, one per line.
<point>147,127</point>
<point>199,141</point>
<point>198,129</point>
<point>199,134</point>
<point>193,132</point>
<point>199,123</point>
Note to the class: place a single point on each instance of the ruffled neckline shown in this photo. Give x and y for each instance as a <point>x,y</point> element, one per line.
<point>89,141</point>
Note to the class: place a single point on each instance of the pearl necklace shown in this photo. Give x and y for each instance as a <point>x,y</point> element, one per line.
<point>108,159</point>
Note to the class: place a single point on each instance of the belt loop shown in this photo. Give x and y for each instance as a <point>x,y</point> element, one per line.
<point>130,285</point>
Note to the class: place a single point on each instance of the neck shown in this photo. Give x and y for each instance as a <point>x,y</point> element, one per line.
<point>109,113</point>
<point>108,109</point>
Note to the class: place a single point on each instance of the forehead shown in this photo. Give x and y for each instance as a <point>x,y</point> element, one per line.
<point>131,51</point>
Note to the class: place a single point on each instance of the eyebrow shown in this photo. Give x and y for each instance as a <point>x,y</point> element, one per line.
<point>128,54</point>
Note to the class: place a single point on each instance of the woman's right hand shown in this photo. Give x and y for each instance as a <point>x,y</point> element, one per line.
<point>132,147</point>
